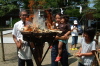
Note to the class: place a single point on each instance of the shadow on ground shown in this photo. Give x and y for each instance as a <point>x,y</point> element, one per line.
<point>12,57</point>
<point>72,60</point>
<point>47,65</point>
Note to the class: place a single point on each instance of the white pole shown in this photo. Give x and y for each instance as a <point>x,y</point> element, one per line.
<point>80,9</point>
<point>39,12</point>
<point>61,10</point>
<point>67,2</point>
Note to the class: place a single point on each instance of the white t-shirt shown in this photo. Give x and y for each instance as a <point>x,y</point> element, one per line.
<point>87,60</point>
<point>74,32</point>
<point>24,52</point>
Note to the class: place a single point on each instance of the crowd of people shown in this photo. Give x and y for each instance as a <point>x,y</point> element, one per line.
<point>59,50</point>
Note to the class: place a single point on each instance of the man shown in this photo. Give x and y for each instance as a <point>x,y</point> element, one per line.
<point>24,52</point>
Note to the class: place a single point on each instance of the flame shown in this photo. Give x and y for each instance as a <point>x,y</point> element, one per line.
<point>49,20</point>
<point>38,23</point>
<point>31,3</point>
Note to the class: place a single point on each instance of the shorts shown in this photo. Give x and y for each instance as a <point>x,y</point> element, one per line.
<point>64,41</point>
<point>74,40</point>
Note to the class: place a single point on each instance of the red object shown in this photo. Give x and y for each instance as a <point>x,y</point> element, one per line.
<point>58,59</point>
<point>50,47</point>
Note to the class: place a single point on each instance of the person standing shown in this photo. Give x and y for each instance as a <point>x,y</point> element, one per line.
<point>54,49</point>
<point>65,28</point>
<point>88,47</point>
<point>24,52</point>
<point>74,34</point>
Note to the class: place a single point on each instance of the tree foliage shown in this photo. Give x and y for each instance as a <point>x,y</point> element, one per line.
<point>6,7</point>
<point>97,7</point>
<point>73,12</point>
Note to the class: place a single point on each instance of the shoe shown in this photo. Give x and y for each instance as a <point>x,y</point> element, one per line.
<point>75,49</point>
<point>50,47</point>
<point>58,59</point>
<point>70,48</point>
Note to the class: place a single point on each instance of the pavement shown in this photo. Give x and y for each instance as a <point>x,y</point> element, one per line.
<point>7,39</point>
<point>10,52</point>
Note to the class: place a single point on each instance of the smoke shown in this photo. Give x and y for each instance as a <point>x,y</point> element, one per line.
<point>38,22</point>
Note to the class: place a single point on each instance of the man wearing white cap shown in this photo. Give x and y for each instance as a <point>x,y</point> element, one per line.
<point>74,34</point>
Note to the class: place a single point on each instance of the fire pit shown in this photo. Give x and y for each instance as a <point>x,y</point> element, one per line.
<point>39,32</point>
<point>39,39</point>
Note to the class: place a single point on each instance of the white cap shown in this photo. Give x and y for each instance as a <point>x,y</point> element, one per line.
<point>75,22</point>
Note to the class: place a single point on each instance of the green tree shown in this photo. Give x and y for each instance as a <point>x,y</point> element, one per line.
<point>45,3</point>
<point>6,7</point>
<point>73,12</point>
<point>97,9</point>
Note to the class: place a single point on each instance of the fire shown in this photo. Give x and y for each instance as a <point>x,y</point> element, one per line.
<point>30,18</point>
<point>38,24</point>
<point>31,3</point>
<point>49,20</point>
<point>28,28</point>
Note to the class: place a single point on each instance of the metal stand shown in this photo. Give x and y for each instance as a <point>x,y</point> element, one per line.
<point>39,41</point>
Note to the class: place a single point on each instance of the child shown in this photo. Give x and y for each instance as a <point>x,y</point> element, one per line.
<point>88,47</point>
<point>74,34</point>
<point>64,27</point>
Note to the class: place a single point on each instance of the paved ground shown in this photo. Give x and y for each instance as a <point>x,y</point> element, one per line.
<point>11,55</point>
<point>11,52</point>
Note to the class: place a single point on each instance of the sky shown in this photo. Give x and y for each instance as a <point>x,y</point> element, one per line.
<point>91,4</point>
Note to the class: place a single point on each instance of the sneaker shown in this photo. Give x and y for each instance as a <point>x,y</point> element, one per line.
<point>58,59</point>
<point>70,48</point>
<point>75,49</point>
<point>50,47</point>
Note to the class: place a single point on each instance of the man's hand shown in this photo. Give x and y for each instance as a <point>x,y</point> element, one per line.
<point>19,44</point>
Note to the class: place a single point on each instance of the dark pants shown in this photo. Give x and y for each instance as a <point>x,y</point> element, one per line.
<point>64,55</point>
<point>80,64</point>
<point>74,40</point>
<point>21,62</point>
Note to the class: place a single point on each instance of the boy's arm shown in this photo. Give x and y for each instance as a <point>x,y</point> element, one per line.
<point>78,53</point>
<point>87,54</point>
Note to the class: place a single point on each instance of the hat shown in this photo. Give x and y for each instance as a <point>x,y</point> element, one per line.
<point>75,22</point>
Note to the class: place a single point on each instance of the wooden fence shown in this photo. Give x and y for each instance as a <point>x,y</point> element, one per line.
<point>97,53</point>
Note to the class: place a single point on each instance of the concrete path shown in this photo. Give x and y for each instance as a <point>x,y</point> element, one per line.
<point>11,53</point>
<point>7,32</point>
<point>7,39</point>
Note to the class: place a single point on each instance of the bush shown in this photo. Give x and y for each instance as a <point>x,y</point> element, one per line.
<point>14,21</point>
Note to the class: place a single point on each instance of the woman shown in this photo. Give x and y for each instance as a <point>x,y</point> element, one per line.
<point>54,50</point>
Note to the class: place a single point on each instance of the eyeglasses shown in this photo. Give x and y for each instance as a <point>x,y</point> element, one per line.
<point>24,15</point>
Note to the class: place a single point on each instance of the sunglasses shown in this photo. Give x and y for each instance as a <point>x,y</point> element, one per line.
<point>24,15</point>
